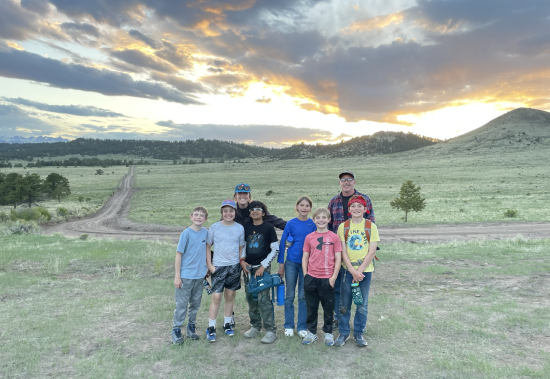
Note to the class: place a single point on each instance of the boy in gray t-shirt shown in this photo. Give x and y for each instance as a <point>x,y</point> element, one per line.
<point>190,270</point>
<point>228,236</point>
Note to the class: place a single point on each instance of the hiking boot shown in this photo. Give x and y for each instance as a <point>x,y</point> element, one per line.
<point>211,334</point>
<point>251,333</point>
<point>191,332</point>
<point>329,339</point>
<point>302,333</point>
<point>341,340</point>
<point>310,338</point>
<point>269,337</point>
<point>335,324</point>
<point>359,340</point>
<point>177,338</point>
<point>289,332</point>
<point>228,329</point>
<point>233,320</point>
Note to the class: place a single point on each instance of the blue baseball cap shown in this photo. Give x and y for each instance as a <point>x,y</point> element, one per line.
<point>242,187</point>
<point>229,203</point>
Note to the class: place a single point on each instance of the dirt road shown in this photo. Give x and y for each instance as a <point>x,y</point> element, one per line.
<point>111,222</point>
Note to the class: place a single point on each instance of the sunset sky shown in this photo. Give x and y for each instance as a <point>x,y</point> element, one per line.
<point>268,72</point>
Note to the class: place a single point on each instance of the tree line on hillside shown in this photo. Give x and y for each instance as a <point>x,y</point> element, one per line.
<point>379,143</point>
<point>30,188</point>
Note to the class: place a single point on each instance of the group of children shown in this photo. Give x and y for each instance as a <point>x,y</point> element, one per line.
<point>314,256</point>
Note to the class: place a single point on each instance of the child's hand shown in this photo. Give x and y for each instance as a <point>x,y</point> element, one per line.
<point>260,271</point>
<point>331,281</point>
<point>357,276</point>
<point>244,266</point>
<point>281,269</point>
<point>211,268</point>
<point>177,282</point>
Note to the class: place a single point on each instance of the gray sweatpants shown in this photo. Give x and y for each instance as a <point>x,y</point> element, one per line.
<point>190,294</point>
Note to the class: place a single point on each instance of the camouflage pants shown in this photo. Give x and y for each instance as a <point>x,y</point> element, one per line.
<point>261,309</point>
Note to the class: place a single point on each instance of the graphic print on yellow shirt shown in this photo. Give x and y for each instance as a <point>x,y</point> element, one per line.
<point>357,245</point>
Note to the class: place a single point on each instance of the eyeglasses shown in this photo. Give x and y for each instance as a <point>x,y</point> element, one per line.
<point>256,209</point>
<point>343,180</point>
<point>243,187</point>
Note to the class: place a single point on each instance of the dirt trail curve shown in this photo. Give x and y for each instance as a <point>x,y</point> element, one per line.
<point>111,222</point>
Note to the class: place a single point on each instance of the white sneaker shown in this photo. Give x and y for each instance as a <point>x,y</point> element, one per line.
<point>289,332</point>
<point>302,333</point>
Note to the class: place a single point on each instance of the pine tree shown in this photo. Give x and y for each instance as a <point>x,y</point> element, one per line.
<point>409,199</point>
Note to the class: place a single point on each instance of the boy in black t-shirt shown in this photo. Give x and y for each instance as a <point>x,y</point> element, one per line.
<point>260,249</point>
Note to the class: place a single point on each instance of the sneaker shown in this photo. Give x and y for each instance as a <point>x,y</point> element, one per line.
<point>310,338</point>
<point>329,339</point>
<point>177,338</point>
<point>302,333</point>
<point>191,332</point>
<point>335,324</point>
<point>211,334</point>
<point>289,332</point>
<point>233,320</point>
<point>341,340</point>
<point>251,333</point>
<point>269,337</point>
<point>359,340</point>
<point>228,329</point>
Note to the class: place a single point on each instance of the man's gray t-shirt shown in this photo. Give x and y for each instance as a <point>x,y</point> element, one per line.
<point>226,241</point>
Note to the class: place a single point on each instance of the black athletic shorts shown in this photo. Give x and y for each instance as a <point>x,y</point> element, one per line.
<point>226,277</point>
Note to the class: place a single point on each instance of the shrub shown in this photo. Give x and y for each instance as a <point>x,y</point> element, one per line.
<point>17,227</point>
<point>269,193</point>
<point>30,214</point>
<point>61,211</point>
<point>83,237</point>
<point>4,217</point>
<point>510,213</point>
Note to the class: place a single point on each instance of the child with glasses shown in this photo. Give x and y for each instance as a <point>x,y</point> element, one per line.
<point>259,252</point>
<point>294,235</point>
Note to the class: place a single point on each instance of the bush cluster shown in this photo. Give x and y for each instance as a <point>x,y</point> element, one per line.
<point>38,214</point>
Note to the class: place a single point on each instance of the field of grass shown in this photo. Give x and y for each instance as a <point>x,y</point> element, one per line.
<point>103,308</point>
<point>459,188</point>
<point>83,182</point>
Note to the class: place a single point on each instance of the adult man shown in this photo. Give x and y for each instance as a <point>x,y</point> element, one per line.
<point>338,207</point>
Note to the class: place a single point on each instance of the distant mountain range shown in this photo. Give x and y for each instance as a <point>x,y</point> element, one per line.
<point>40,139</point>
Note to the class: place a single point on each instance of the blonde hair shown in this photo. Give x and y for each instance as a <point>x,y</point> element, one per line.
<point>306,198</point>
<point>321,211</point>
<point>200,209</point>
<point>249,197</point>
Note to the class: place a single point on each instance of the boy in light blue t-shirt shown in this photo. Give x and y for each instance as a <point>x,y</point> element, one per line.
<point>190,270</point>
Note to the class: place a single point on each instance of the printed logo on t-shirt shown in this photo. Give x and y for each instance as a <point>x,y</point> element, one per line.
<point>254,241</point>
<point>321,243</point>
<point>204,242</point>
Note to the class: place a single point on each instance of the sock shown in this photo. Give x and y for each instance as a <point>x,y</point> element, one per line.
<point>226,320</point>
<point>211,323</point>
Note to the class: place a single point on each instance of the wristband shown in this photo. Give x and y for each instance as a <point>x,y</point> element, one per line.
<point>241,260</point>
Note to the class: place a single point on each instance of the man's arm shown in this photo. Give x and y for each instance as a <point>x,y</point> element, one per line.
<point>177,277</point>
<point>277,222</point>
<point>331,222</point>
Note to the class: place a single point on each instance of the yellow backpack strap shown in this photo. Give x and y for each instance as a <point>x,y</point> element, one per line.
<point>346,230</point>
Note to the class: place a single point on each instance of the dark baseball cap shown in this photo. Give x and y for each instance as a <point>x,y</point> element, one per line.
<point>346,172</point>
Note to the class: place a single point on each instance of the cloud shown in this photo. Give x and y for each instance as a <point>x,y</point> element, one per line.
<point>141,59</point>
<point>255,134</point>
<point>179,56</point>
<point>76,110</point>
<point>16,122</point>
<point>24,65</point>
<point>80,28</point>
<point>263,100</point>
<point>143,38</point>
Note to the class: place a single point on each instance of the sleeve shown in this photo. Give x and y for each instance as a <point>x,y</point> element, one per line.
<point>307,248</point>
<point>277,222</point>
<point>184,237</point>
<point>370,214</point>
<point>267,261</point>
<point>241,238</point>
<point>374,237</point>
<point>282,247</point>
<point>338,246</point>
<point>210,235</point>
<point>341,235</point>
<point>329,207</point>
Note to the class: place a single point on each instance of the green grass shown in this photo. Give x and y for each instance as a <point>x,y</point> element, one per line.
<point>103,308</point>
<point>459,189</point>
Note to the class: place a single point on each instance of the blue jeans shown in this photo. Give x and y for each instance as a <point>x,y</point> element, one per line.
<point>360,318</point>
<point>294,275</point>
<point>337,285</point>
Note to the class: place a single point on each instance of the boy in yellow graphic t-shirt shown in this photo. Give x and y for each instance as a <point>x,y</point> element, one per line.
<point>357,256</point>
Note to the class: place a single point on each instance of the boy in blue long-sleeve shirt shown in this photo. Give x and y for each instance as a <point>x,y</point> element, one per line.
<point>298,228</point>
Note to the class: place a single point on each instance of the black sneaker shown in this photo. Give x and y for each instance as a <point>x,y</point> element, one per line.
<point>191,332</point>
<point>228,329</point>
<point>211,334</point>
<point>177,338</point>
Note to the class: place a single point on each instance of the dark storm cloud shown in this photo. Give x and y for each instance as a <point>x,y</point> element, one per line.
<point>24,65</point>
<point>76,110</point>
<point>15,22</point>
<point>143,38</point>
<point>257,134</point>
<point>80,28</point>
<point>141,59</point>
<point>178,56</point>
<point>14,121</point>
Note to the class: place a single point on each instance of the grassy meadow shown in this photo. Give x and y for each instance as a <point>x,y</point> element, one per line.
<point>74,308</point>
<point>459,188</point>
